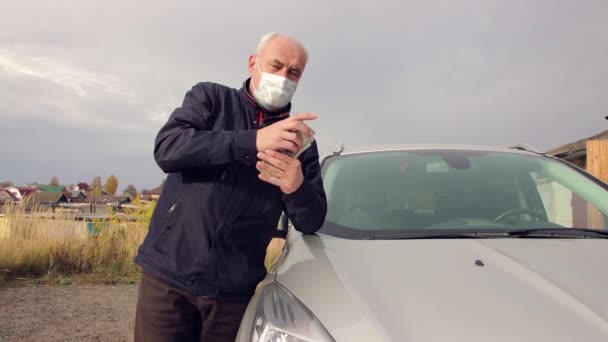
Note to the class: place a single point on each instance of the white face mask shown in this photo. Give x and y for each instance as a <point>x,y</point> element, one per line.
<point>274,92</point>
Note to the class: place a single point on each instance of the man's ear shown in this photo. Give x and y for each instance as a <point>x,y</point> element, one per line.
<point>251,64</point>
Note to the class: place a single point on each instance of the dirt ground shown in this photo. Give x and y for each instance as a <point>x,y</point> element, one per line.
<point>67,313</point>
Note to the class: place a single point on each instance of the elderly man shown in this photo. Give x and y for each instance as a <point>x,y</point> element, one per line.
<point>227,186</point>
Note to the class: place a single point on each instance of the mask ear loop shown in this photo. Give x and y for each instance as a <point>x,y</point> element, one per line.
<point>261,113</point>
<point>260,70</point>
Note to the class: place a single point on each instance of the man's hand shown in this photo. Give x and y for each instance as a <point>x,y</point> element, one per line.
<point>283,134</point>
<point>280,170</point>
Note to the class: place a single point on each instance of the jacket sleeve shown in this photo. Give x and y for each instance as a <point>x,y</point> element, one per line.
<point>307,206</point>
<point>186,141</point>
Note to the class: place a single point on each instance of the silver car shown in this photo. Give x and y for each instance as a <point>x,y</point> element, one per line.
<point>443,244</point>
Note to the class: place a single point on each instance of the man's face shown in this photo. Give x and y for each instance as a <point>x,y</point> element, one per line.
<point>281,56</point>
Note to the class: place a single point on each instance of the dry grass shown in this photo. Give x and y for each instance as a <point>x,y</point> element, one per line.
<point>55,248</point>
<point>273,251</point>
<point>55,245</point>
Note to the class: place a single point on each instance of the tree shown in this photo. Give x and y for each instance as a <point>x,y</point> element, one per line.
<point>131,190</point>
<point>6,184</point>
<point>96,185</point>
<point>111,185</point>
<point>54,181</point>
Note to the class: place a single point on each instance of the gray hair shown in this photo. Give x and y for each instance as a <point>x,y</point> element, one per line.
<point>272,35</point>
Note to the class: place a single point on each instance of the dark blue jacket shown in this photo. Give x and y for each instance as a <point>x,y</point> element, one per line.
<point>215,218</point>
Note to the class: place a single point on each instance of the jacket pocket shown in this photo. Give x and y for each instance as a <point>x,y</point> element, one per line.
<point>274,200</point>
<point>207,175</point>
<point>169,226</point>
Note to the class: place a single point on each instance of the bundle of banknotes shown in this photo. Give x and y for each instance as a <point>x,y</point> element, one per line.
<point>306,143</point>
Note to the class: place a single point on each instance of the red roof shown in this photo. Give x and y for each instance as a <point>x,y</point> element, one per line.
<point>25,191</point>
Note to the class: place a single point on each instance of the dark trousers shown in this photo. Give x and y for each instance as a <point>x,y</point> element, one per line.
<point>167,313</point>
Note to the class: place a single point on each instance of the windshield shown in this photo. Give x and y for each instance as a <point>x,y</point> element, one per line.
<point>457,190</point>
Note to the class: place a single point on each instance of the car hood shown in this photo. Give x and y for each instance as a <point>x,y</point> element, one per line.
<point>452,290</point>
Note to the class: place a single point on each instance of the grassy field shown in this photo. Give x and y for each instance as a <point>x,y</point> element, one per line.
<point>57,249</point>
<point>55,245</point>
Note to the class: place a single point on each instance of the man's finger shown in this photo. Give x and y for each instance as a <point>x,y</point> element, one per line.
<point>268,169</point>
<point>302,117</point>
<point>271,180</point>
<point>287,135</point>
<point>301,127</point>
<point>304,129</point>
<point>280,156</point>
<point>276,162</point>
<point>288,145</point>
<point>293,137</point>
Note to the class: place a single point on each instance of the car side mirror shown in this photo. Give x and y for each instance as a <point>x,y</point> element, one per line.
<point>282,227</point>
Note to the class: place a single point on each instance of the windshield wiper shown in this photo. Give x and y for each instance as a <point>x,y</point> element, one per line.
<point>436,235</point>
<point>580,233</point>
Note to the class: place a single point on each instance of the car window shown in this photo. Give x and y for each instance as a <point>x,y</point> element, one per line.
<point>450,189</point>
<point>563,206</point>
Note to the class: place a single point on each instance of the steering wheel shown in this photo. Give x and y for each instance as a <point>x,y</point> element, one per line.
<point>520,211</point>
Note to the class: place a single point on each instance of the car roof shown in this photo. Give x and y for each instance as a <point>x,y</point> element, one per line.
<point>518,149</point>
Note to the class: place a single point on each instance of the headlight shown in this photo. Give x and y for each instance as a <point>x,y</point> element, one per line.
<point>281,317</point>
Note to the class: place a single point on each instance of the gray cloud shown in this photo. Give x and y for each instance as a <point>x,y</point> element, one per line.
<point>86,86</point>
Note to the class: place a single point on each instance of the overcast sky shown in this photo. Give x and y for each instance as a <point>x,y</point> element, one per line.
<point>85,87</point>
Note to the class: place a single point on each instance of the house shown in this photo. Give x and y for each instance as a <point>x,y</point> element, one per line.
<point>84,186</point>
<point>26,191</point>
<point>153,194</point>
<point>7,196</point>
<point>125,198</point>
<point>576,152</point>
<point>96,198</point>
<point>50,198</point>
<point>77,196</point>
<point>108,199</point>
<point>14,192</point>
